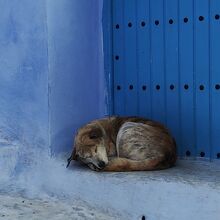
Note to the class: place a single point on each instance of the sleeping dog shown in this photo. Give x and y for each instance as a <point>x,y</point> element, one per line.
<point>124,144</point>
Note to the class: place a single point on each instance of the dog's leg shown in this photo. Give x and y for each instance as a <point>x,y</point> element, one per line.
<point>123,164</point>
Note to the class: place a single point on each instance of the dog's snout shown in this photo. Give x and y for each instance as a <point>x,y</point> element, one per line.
<point>101,164</point>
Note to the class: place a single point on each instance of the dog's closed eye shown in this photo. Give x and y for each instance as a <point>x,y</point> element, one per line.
<point>95,133</point>
<point>93,136</point>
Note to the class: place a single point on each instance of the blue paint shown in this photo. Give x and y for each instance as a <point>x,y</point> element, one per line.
<point>157,61</point>
<point>118,65</point>
<point>214,77</point>
<point>52,70</point>
<point>107,47</point>
<point>23,72</point>
<point>201,62</point>
<point>76,65</point>
<point>53,80</point>
<point>143,64</point>
<point>129,57</point>
<point>172,87</point>
<point>186,70</point>
<point>175,54</point>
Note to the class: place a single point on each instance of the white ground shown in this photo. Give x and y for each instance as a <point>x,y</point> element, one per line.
<point>191,190</point>
<point>13,208</point>
<point>35,186</point>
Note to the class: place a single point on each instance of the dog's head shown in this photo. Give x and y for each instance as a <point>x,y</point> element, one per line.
<point>90,146</point>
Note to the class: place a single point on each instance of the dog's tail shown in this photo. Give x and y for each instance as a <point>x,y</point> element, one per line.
<point>72,157</point>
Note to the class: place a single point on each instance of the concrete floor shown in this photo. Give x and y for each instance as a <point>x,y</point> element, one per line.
<point>17,207</point>
<point>191,190</point>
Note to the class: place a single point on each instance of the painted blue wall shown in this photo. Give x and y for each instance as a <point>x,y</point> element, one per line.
<point>24,71</point>
<point>52,74</point>
<point>76,67</point>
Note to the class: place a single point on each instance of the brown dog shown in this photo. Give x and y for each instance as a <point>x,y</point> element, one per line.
<point>124,144</point>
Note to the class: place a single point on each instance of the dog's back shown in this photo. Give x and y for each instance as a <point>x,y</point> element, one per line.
<point>143,144</point>
<point>139,141</point>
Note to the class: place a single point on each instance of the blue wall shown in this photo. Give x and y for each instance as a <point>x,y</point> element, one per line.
<point>51,75</point>
<point>24,71</point>
<point>76,67</point>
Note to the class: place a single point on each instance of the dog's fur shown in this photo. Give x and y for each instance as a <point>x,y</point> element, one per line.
<point>124,144</point>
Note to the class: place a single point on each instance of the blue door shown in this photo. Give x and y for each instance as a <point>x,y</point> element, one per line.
<point>166,66</point>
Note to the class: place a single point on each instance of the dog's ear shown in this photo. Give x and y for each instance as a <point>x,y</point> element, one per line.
<point>72,157</point>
